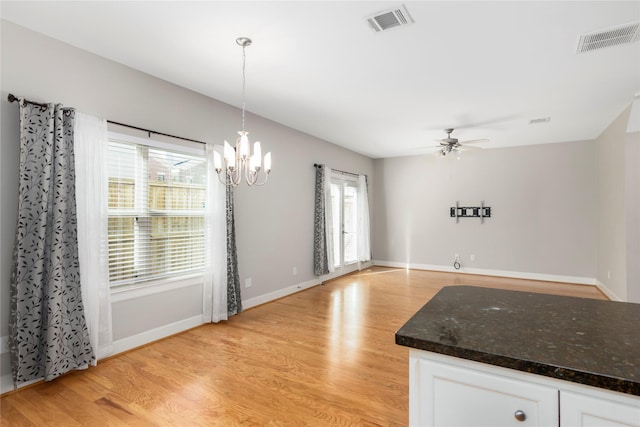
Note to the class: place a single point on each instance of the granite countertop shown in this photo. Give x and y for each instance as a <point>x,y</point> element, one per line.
<point>581,340</point>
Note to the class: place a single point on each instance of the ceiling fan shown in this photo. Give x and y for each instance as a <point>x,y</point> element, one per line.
<point>450,145</point>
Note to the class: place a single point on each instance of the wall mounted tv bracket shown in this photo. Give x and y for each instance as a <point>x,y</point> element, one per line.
<point>481,212</point>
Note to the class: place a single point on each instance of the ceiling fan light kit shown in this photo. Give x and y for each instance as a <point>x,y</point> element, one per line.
<point>450,145</point>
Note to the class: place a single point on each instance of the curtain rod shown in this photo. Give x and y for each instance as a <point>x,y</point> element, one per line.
<point>317,165</point>
<point>149,131</point>
<point>12,98</point>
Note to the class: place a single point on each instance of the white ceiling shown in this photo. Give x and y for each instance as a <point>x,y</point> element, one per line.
<point>485,68</point>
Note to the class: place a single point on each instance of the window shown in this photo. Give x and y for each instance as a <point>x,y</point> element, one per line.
<point>344,205</point>
<point>156,210</point>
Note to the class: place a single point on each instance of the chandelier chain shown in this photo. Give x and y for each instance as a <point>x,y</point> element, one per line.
<point>244,60</point>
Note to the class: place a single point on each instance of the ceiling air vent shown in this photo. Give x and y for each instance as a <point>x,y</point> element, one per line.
<point>614,36</point>
<point>539,120</point>
<point>390,18</point>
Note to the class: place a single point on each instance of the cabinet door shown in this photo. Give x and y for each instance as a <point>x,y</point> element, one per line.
<point>590,411</point>
<point>453,396</point>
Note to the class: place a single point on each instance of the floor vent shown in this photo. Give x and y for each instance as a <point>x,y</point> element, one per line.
<point>391,18</point>
<point>614,36</point>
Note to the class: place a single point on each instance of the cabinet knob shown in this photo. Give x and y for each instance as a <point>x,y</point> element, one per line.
<point>520,415</point>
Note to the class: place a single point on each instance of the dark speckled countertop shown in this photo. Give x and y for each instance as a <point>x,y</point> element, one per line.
<point>582,340</point>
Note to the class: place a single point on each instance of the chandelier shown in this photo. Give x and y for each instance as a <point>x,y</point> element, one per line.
<point>238,160</point>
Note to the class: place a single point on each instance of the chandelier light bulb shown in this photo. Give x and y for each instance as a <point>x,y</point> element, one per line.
<point>244,144</point>
<point>257,151</point>
<point>267,162</point>
<point>217,161</point>
<point>229,156</point>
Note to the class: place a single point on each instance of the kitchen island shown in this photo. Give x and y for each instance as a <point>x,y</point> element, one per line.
<point>483,356</point>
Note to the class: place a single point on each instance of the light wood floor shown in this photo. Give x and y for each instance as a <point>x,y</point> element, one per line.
<point>325,356</point>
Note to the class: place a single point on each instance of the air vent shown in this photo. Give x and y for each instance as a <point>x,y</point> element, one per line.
<point>614,36</point>
<point>391,18</point>
<point>539,120</point>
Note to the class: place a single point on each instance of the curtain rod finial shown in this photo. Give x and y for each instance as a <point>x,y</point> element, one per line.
<point>11,98</point>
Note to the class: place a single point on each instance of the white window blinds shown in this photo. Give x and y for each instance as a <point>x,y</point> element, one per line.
<point>156,210</point>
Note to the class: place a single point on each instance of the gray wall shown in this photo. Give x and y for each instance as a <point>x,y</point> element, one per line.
<point>612,212</point>
<point>633,201</point>
<point>618,228</point>
<point>274,223</point>
<point>542,199</point>
<point>633,214</point>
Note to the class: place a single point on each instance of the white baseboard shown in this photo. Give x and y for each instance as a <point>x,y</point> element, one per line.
<point>4,344</point>
<point>608,292</point>
<point>6,383</point>
<point>271,296</point>
<point>263,299</point>
<point>149,336</point>
<point>485,272</point>
<point>129,343</point>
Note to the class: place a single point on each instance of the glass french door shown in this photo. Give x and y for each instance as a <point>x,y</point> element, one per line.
<point>344,204</point>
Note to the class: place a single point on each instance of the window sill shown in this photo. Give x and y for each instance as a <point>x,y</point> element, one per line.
<point>127,292</point>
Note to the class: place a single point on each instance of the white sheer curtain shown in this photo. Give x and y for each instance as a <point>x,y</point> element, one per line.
<point>215,237</point>
<point>90,151</point>
<point>364,244</point>
<point>328,219</point>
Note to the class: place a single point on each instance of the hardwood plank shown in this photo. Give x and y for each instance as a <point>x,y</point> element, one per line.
<point>324,356</point>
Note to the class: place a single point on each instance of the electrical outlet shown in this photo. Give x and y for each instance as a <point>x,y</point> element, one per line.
<point>456,262</point>
<point>472,257</point>
<point>247,282</point>
<point>608,275</point>
<point>295,270</point>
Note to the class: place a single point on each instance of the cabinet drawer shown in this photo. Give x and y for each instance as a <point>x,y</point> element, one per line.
<point>455,396</point>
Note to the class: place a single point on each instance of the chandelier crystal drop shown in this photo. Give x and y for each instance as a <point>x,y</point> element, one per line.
<point>238,160</point>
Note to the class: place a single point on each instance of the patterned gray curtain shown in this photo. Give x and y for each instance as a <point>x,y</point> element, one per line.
<point>48,334</point>
<point>234,301</point>
<point>320,261</point>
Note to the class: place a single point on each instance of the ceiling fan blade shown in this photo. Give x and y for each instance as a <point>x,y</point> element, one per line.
<point>474,141</point>
<point>465,121</point>
<point>468,148</point>
<point>429,147</point>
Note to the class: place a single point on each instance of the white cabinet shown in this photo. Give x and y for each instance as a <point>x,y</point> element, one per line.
<point>455,396</point>
<point>448,391</point>
<point>581,410</point>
